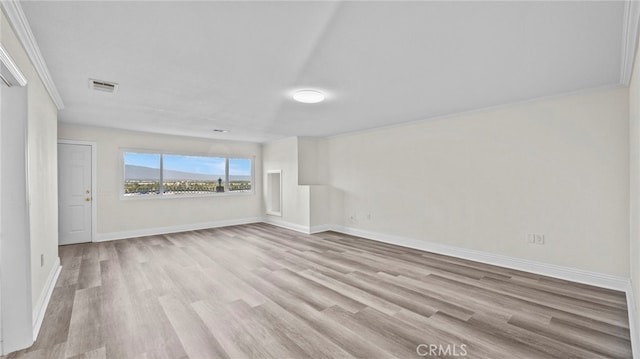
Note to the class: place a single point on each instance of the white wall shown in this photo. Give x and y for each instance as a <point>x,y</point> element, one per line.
<point>320,199</point>
<point>283,155</point>
<point>43,172</point>
<point>15,265</point>
<point>313,168</point>
<point>119,218</point>
<point>634,137</point>
<point>484,180</point>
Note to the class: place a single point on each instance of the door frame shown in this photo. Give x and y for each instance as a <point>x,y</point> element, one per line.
<point>94,197</point>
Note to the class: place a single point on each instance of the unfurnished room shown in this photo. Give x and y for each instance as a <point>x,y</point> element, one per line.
<point>319,179</point>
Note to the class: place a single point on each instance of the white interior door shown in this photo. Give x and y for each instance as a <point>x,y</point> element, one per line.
<point>75,194</point>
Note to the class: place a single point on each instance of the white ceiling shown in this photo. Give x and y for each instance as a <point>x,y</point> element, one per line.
<point>189,67</point>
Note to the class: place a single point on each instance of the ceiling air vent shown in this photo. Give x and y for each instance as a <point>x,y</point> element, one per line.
<point>103,86</point>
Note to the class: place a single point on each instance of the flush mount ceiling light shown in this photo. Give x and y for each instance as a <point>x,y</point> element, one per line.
<point>308,96</point>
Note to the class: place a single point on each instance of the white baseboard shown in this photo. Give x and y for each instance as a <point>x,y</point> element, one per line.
<point>551,270</point>
<point>298,227</point>
<point>103,237</point>
<point>567,273</point>
<point>320,228</point>
<point>633,321</point>
<point>45,296</point>
<point>288,225</point>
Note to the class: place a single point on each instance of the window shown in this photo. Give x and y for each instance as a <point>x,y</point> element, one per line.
<point>192,174</point>
<point>141,174</point>
<point>158,174</point>
<point>239,175</point>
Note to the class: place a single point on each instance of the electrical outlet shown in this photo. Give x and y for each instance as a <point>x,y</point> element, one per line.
<point>535,238</point>
<point>531,238</point>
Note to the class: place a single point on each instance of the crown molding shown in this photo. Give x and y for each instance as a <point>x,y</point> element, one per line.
<point>17,76</point>
<point>20,25</point>
<point>631,18</point>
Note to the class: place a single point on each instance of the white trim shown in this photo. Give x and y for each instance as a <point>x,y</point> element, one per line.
<point>268,194</point>
<point>103,237</point>
<point>551,270</point>
<point>633,323</point>
<point>571,274</point>
<point>20,25</point>
<point>320,228</point>
<point>94,181</point>
<point>287,225</point>
<point>167,196</point>
<point>41,306</point>
<point>8,62</point>
<point>499,107</point>
<point>630,21</point>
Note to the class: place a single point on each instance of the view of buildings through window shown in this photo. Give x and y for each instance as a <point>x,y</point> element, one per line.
<point>152,174</point>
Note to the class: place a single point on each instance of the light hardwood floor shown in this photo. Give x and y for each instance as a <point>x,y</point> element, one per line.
<point>258,291</point>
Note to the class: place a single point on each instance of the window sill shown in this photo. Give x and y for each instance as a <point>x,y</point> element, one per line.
<point>178,196</point>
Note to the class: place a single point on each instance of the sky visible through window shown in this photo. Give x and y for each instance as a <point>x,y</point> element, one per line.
<point>142,159</point>
<point>194,164</point>
<point>191,164</point>
<point>239,166</point>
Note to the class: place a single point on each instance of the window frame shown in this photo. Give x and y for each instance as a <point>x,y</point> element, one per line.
<point>162,195</point>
